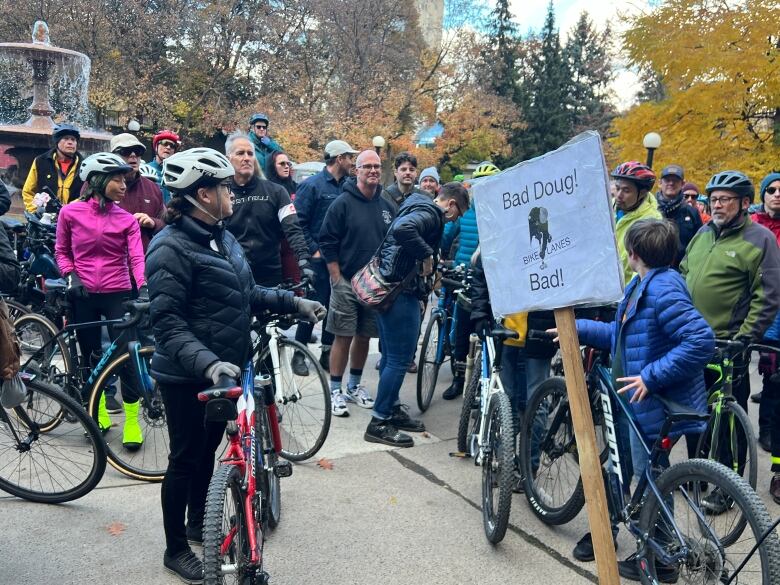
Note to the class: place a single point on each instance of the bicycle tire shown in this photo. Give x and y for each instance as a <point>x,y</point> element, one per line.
<point>467,423</point>
<point>270,486</point>
<point>150,462</point>
<point>687,517</point>
<point>428,372</point>
<point>16,309</point>
<point>741,421</point>
<point>553,493</point>
<point>305,408</point>
<point>498,467</point>
<point>73,455</point>
<point>225,536</point>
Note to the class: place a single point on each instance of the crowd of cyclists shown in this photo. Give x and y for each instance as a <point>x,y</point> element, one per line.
<point>207,238</point>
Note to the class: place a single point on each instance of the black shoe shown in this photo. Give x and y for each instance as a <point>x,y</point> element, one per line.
<point>518,483</point>
<point>186,566</point>
<point>402,421</point>
<point>716,503</point>
<point>112,405</point>
<point>313,338</point>
<point>583,551</point>
<point>765,439</point>
<point>381,431</point>
<point>195,536</point>
<point>299,366</point>
<point>629,569</point>
<point>454,390</point>
<point>325,360</point>
<point>756,397</point>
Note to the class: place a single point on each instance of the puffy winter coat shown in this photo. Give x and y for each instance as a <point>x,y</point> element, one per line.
<point>465,229</point>
<point>103,246</point>
<point>665,340</point>
<point>203,296</point>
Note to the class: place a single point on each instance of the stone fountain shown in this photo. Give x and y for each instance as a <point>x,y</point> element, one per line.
<point>25,141</point>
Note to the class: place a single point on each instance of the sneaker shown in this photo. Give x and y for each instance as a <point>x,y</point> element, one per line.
<point>756,397</point>
<point>765,439</point>
<point>774,488</point>
<point>454,390</point>
<point>629,569</point>
<point>112,405</point>
<point>132,438</point>
<point>338,404</point>
<point>401,420</point>
<point>583,551</point>
<point>381,431</point>
<point>359,396</point>
<point>299,366</point>
<point>186,566</point>
<point>325,360</point>
<point>716,503</point>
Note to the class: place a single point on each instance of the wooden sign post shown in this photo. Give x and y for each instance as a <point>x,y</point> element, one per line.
<point>587,450</point>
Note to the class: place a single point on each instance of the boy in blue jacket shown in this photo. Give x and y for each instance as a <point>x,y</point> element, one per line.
<point>659,345</point>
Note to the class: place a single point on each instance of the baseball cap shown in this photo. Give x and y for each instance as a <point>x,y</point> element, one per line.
<point>336,147</point>
<point>125,140</point>
<point>675,170</point>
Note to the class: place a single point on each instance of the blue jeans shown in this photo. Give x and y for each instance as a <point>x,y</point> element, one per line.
<point>398,329</point>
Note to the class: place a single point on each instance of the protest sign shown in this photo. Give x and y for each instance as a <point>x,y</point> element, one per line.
<point>547,231</point>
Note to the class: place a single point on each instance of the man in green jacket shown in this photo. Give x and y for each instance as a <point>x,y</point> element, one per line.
<point>631,189</point>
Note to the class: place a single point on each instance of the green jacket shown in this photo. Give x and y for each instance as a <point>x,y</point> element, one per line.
<point>733,276</point>
<point>646,210</point>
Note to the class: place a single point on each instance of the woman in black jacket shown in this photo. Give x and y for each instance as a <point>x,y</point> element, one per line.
<point>202,298</point>
<point>407,254</point>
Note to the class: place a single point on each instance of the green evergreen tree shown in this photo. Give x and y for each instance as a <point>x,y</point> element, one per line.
<point>500,54</point>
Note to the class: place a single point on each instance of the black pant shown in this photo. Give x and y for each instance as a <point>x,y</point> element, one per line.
<point>322,287</point>
<point>193,446</point>
<point>463,330</point>
<point>769,416</point>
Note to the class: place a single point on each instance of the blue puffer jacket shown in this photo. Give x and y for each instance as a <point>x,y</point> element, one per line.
<point>466,227</point>
<point>665,340</point>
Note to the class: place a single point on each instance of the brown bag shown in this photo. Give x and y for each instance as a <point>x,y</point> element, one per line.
<point>10,350</point>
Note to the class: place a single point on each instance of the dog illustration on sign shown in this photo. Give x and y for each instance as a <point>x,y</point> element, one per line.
<point>538,228</point>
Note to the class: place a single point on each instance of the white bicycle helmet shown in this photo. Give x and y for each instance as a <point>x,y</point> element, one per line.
<point>148,171</point>
<point>102,162</point>
<point>187,169</point>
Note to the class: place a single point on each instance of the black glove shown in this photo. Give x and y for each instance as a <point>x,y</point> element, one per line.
<point>481,327</point>
<point>143,293</point>
<point>76,288</point>
<point>307,270</point>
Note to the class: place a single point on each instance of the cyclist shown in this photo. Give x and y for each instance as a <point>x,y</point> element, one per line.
<point>96,243</point>
<point>465,229</point>
<point>202,296</point>
<point>57,169</point>
<point>164,144</point>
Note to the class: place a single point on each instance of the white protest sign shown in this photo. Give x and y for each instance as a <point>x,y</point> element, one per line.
<point>547,231</point>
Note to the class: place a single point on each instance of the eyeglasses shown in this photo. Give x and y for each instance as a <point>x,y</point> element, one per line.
<point>284,163</point>
<point>722,200</point>
<point>136,150</point>
<point>167,143</point>
<point>261,127</point>
<point>224,187</point>
<point>370,167</point>
<point>691,195</point>
<point>772,190</point>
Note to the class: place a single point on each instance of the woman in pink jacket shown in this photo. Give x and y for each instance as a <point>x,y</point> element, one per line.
<point>98,249</point>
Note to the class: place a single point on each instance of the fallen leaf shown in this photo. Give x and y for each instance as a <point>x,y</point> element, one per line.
<point>325,463</point>
<point>426,434</point>
<point>393,500</point>
<point>116,528</point>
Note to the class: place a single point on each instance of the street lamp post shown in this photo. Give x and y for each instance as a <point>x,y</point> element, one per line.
<point>133,126</point>
<point>651,141</point>
<point>379,143</point>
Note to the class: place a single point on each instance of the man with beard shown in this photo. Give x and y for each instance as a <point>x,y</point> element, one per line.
<point>672,205</point>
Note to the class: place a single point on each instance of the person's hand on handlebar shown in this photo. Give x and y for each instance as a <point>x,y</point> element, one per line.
<point>553,331</point>
<point>307,270</point>
<point>309,310</point>
<point>217,369</point>
<point>143,293</point>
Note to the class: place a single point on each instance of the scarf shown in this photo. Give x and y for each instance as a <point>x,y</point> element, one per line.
<point>669,206</point>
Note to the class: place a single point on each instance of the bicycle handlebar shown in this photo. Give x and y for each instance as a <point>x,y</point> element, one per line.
<point>539,335</point>
<point>449,283</point>
<point>137,311</point>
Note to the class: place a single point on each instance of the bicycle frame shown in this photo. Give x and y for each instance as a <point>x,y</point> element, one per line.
<point>490,383</point>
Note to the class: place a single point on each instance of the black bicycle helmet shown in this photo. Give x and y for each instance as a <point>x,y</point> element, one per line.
<point>62,130</point>
<point>733,181</point>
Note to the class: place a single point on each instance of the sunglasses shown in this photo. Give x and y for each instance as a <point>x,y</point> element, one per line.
<point>261,127</point>
<point>167,143</point>
<point>284,163</point>
<point>692,196</point>
<point>772,190</point>
<point>136,150</point>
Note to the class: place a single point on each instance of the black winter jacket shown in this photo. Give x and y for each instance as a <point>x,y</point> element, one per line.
<point>354,227</point>
<point>202,300</point>
<point>262,215</point>
<point>9,265</point>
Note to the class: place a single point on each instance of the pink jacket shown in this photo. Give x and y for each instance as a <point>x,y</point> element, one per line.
<point>103,247</point>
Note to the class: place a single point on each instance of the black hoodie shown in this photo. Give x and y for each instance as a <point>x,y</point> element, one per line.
<point>354,227</point>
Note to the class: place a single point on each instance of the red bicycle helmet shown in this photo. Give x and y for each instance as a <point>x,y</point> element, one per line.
<point>635,171</point>
<point>166,135</point>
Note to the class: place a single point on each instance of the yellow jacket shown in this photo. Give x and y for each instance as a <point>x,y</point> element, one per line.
<point>45,173</point>
<point>517,322</point>
<point>647,209</point>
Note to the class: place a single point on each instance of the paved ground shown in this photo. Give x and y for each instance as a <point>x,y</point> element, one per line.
<point>379,516</point>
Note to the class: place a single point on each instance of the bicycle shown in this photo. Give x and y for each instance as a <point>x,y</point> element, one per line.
<point>49,466</point>
<point>53,355</point>
<point>244,494</point>
<point>665,513</point>
<point>438,339</point>
<point>490,436</point>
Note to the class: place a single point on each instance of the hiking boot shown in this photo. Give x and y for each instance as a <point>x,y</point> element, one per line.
<point>716,503</point>
<point>774,488</point>
<point>186,566</point>
<point>132,438</point>
<point>381,431</point>
<point>104,421</point>
<point>765,439</point>
<point>629,569</point>
<point>402,421</point>
<point>359,396</point>
<point>325,359</point>
<point>338,404</point>
<point>112,405</point>
<point>455,389</point>
<point>756,397</point>
<point>298,363</point>
<point>583,551</point>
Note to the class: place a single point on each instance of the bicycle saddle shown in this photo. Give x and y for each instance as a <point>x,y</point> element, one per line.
<point>679,412</point>
<point>55,284</point>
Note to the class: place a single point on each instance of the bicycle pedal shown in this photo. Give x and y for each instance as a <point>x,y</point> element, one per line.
<point>460,454</point>
<point>283,469</point>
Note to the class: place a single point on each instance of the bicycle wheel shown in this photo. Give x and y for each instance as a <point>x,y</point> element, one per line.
<point>49,467</point>
<point>498,468</point>
<point>548,453</point>
<point>429,365</point>
<point>468,424</point>
<point>144,417</point>
<point>713,556</point>
<point>226,551</point>
<point>16,309</point>
<point>304,408</point>
<point>729,439</point>
<point>270,486</point>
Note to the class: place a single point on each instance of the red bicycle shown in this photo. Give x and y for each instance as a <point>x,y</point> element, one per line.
<point>244,497</point>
